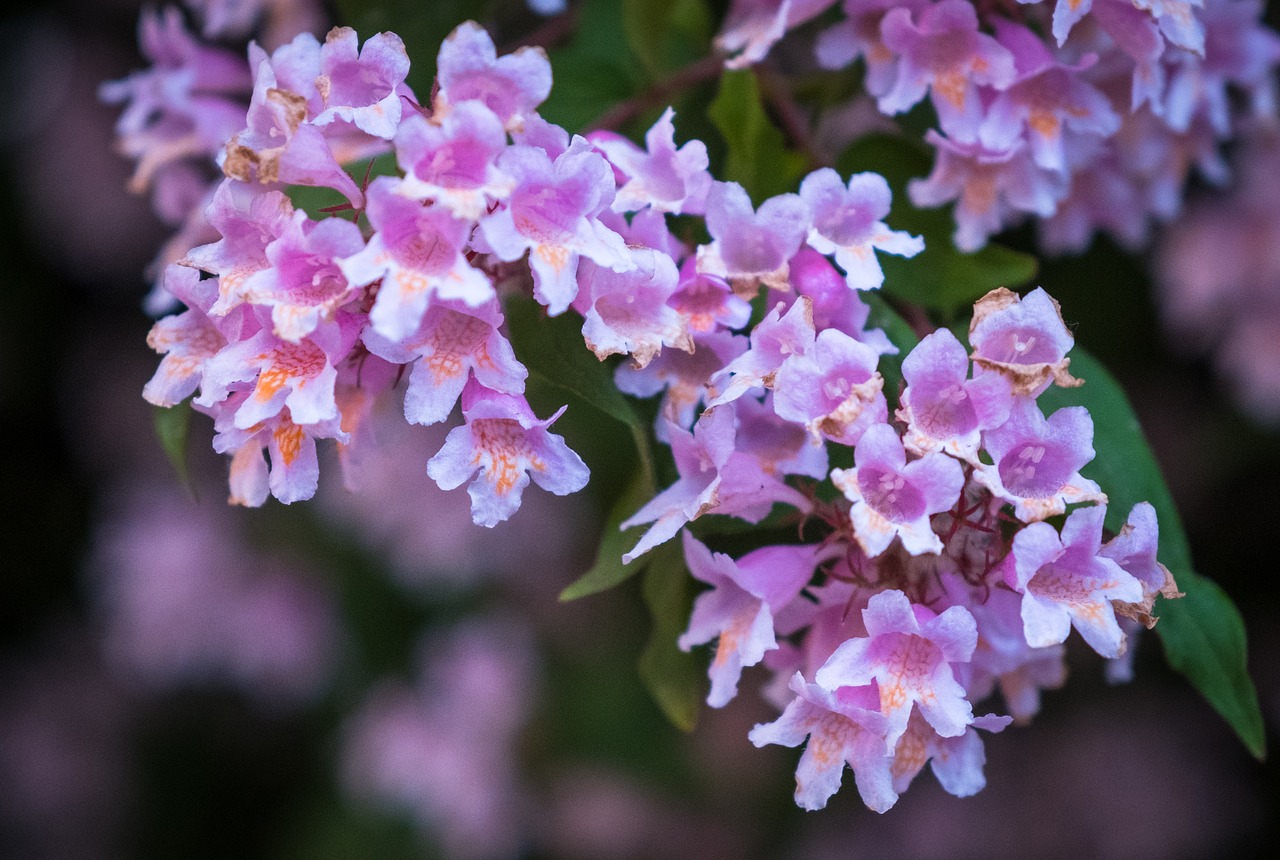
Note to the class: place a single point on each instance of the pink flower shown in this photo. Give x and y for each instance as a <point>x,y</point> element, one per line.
<point>773,340</point>
<point>362,86</point>
<point>706,302</point>
<point>681,376</point>
<point>1036,462</point>
<point>454,160</point>
<point>247,220</point>
<point>843,726</point>
<point>908,652</point>
<point>992,188</point>
<point>506,444</point>
<point>451,343</point>
<point>714,477</point>
<point>739,609</point>
<point>1022,338</point>
<point>893,498</point>
<point>751,27</point>
<point>187,340</point>
<point>419,253</point>
<point>751,247</point>
<point>627,312</point>
<point>943,409</point>
<point>832,389</point>
<point>943,51</point>
<point>858,35</point>
<point>1066,583</point>
<point>304,285</point>
<point>553,214</point>
<point>469,68</point>
<point>280,145</point>
<point>1047,98</point>
<point>848,221</point>
<point>660,176</point>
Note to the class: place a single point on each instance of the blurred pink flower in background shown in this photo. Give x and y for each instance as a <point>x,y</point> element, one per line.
<point>426,534</point>
<point>444,749</point>
<point>1218,273</point>
<point>184,599</point>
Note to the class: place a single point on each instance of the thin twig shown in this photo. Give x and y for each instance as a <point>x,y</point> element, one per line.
<point>708,68</point>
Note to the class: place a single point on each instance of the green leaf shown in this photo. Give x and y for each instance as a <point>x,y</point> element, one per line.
<point>758,158</point>
<point>939,277</point>
<point>900,334</point>
<point>552,347</point>
<point>314,201</point>
<point>675,678</point>
<point>666,34</point>
<point>171,429</point>
<point>595,70</point>
<point>608,569</point>
<point>1203,633</point>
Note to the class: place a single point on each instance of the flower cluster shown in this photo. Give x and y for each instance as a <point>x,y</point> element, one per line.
<point>935,577</point>
<point>939,571</point>
<point>180,112</point>
<point>1087,114</point>
<point>307,321</point>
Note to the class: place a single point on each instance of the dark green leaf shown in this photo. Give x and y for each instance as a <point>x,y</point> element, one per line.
<point>314,200</point>
<point>595,70</point>
<point>675,678</point>
<point>758,158</point>
<point>940,277</point>
<point>666,34</point>
<point>608,569</point>
<point>171,429</point>
<point>1202,633</point>
<point>552,347</point>
<point>900,334</point>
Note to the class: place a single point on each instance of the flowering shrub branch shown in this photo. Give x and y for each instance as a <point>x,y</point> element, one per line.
<point>958,504</point>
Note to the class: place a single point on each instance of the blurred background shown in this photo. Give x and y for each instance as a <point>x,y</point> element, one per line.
<point>370,675</point>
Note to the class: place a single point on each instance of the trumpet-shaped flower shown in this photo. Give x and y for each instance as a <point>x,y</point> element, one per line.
<point>305,284</point>
<point>469,68</point>
<point>942,50</point>
<point>660,176</point>
<point>454,161</point>
<point>893,498</point>
<point>628,312</point>
<point>739,609</point>
<point>848,221</point>
<point>506,444</point>
<point>843,726</point>
<point>908,652</point>
<point>451,343</point>
<point>1036,462</point>
<point>751,247</point>
<point>943,409</point>
<point>1066,583</point>
<point>553,214</point>
<point>714,477</point>
<point>419,253</point>
<point>1023,338</point>
<point>362,85</point>
<point>775,338</point>
<point>832,389</point>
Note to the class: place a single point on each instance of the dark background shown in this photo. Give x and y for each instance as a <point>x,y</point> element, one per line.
<point>1144,770</point>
